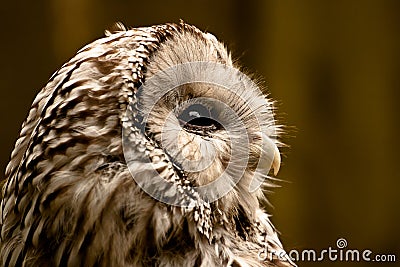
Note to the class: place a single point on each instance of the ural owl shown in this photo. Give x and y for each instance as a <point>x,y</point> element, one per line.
<point>147,148</point>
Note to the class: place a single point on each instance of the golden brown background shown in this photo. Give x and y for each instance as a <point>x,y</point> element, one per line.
<point>333,67</point>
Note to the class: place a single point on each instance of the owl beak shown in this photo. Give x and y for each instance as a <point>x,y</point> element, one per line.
<point>271,157</point>
<point>276,162</point>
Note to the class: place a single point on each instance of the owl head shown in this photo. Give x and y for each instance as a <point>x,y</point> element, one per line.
<point>198,130</point>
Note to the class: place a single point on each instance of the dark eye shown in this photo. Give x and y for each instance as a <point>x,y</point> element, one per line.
<point>195,113</point>
<point>197,117</point>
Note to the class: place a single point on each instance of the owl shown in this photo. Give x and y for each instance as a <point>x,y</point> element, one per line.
<point>148,148</point>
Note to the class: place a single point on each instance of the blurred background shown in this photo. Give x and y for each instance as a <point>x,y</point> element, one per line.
<point>332,66</point>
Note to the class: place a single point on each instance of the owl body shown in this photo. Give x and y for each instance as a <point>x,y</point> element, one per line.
<point>70,198</point>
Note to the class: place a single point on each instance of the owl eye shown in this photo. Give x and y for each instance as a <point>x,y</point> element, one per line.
<point>198,117</point>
